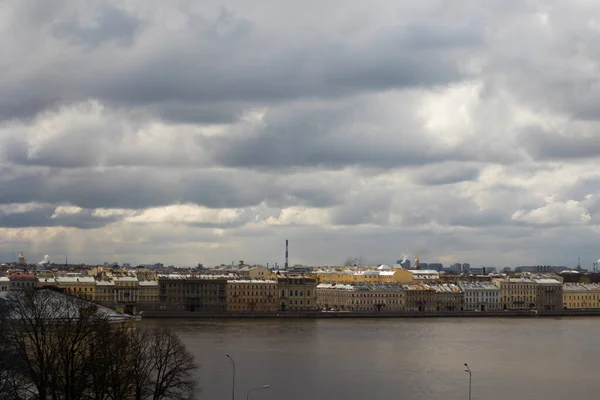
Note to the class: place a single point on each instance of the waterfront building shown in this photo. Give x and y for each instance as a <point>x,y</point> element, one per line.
<point>127,292</point>
<point>448,297</point>
<point>296,292</point>
<point>252,295</point>
<point>419,297</point>
<point>516,293</point>
<point>46,281</point>
<point>105,292</point>
<point>360,297</point>
<point>22,281</point>
<point>581,296</point>
<point>549,294</point>
<point>480,296</point>
<point>148,295</point>
<point>203,293</point>
<point>80,286</point>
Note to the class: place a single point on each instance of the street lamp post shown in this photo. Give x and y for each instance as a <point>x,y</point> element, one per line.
<point>233,382</point>
<point>468,370</point>
<point>255,389</point>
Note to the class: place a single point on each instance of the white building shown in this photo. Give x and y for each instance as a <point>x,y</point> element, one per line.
<point>480,296</point>
<point>4,283</point>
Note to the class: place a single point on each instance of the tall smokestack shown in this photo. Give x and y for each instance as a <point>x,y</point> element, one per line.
<point>286,253</point>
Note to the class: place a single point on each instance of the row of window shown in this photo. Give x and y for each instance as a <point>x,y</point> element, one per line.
<point>257,286</point>
<point>253,294</point>
<point>295,293</point>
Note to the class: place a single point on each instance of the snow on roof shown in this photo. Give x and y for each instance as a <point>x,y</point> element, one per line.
<point>125,279</point>
<point>148,283</point>
<point>105,283</point>
<point>75,279</point>
<point>58,306</point>
<point>478,286</point>
<point>547,281</point>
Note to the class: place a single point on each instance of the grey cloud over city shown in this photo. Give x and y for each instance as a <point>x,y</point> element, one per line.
<point>185,132</point>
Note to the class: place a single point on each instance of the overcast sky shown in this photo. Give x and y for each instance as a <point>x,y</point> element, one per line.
<point>182,132</point>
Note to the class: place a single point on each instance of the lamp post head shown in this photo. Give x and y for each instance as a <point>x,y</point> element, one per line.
<point>266,387</point>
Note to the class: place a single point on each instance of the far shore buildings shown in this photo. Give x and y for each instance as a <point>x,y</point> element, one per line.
<point>581,296</point>
<point>252,295</point>
<point>360,297</point>
<point>480,296</point>
<point>193,293</point>
<point>378,275</point>
<point>249,288</point>
<point>297,292</point>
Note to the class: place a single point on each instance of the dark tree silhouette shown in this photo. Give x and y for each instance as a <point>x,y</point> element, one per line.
<point>59,347</point>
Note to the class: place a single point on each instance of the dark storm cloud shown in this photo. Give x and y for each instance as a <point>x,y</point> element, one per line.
<point>203,62</point>
<point>328,137</point>
<point>137,188</point>
<point>475,219</point>
<point>444,174</point>
<point>547,145</point>
<point>43,217</point>
<point>111,24</point>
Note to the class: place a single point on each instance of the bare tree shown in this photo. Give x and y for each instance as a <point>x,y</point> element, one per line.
<point>59,347</point>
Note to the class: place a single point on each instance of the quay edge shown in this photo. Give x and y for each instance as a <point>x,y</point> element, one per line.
<point>415,314</point>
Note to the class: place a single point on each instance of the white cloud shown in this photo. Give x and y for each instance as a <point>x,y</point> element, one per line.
<point>568,213</point>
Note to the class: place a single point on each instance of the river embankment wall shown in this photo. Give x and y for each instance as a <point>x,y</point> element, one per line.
<point>405,314</point>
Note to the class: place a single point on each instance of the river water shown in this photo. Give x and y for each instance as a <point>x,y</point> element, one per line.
<point>512,358</point>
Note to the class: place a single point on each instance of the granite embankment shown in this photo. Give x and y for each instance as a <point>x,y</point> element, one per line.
<point>406,314</point>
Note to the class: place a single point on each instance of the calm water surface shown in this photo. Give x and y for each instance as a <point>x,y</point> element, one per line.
<point>396,358</point>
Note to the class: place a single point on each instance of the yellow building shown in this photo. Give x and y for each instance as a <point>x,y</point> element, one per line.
<point>46,281</point>
<point>81,286</point>
<point>296,292</point>
<point>360,297</point>
<point>105,292</point>
<point>516,293</point>
<point>148,295</point>
<point>419,297</point>
<point>581,296</point>
<point>127,291</point>
<point>252,295</point>
<point>380,275</point>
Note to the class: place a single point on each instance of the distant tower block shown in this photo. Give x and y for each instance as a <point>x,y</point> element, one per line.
<point>286,253</point>
<point>416,260</point>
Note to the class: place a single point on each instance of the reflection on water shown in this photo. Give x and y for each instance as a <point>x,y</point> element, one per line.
<point>514,358</point>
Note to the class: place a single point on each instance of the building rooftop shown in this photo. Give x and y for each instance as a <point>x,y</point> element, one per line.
<point>579,287</point>
<point>125,279</point>
<point>62,306</point>
<point>105,283</point>
<point>148,283</point>
<point>75,279</point>
<point>547,281</point>
<point>478,286</point>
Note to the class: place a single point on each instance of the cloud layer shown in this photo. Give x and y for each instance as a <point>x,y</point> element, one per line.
<point>184,132</point>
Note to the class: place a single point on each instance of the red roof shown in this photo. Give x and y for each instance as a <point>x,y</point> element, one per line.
<point>21,276</point>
